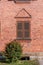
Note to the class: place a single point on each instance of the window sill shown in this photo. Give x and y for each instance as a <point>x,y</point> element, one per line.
<point>23,38</point>
<point>25,1</point>
<point>22,2</point>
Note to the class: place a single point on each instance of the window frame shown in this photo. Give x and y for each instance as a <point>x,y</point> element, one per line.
<point>23,31</point>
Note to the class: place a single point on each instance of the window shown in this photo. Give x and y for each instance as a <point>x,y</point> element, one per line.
<point>23,25</point>
<point>21,1</point>
<point>23,30</point>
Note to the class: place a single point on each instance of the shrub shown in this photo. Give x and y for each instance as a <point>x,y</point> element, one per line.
<point>13,51</point>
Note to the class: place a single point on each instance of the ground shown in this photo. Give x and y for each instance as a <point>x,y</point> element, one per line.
<point>41,61</point>
<point>29,62</point>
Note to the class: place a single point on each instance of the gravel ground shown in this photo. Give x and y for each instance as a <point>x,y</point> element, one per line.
<point>41,61</point>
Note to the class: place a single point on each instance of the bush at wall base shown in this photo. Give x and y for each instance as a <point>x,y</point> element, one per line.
<point>13,51</point>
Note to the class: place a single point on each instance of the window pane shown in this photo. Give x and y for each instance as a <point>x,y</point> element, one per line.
<point>19,26</point>
<point>26,26</point>
<point>26,34</point>
<point>19,34</point>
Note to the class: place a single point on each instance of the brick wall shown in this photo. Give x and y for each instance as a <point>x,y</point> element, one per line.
<point>8,11</point>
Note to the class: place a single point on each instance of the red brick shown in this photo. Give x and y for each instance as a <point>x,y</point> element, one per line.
<point>8,11</point>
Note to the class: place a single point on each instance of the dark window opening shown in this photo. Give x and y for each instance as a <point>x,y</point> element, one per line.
<point>25,58</point>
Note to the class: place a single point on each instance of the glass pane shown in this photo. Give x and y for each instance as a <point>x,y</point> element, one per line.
<point>19,34</point>
<point>19,25</point>
<point>26,34</point>
<point>26,25</point>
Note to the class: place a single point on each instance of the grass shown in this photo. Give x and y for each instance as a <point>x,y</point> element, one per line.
<point>30,62</point>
